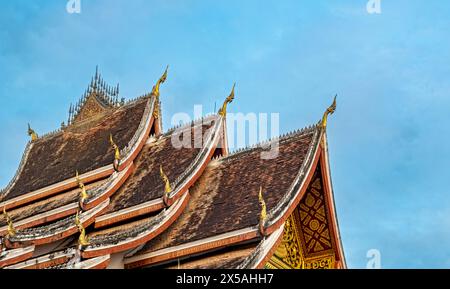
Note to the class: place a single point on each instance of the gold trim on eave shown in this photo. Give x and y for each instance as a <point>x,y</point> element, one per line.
<point>11,230</point>
<point>32,133</point>
<point>229,99</point>
<point>83,239</point>
<point>330,110</point>
<point>83,193</point>
<point>167,187</point>
<point>263,214</point>
<point>117,156</point>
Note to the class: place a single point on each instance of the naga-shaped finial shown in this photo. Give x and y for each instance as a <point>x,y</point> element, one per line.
<point>32,133</point>
<point>329,111</point>
<point>263,214</point>
<point>83,193</point>
<point>162,79</point>
<point>117,156</point>
<point>11,230</point>
<point>229,99</point>
<point>167,187</point>
<point>83,239</point>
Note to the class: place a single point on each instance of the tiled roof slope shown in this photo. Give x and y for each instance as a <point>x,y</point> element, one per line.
<point>145,183</point>
<point>83,146</point>
<point>225,198</point>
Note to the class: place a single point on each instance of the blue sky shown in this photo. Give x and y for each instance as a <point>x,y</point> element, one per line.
<point>388,138</point>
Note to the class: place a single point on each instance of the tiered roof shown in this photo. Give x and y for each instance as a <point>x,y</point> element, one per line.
<point>155,204</point>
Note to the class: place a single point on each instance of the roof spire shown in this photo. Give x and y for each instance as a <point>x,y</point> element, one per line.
<point>263,214</point>
<point>330,110</point>
<point>11,230</point>
<point>32,133</point>
<point>162,79</point>
<point>229,99</point>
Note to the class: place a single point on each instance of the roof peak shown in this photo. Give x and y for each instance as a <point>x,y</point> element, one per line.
<point>105,96</point>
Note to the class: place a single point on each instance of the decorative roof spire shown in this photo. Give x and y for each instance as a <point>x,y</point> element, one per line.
<point>11,230</point>
<point>167,187</point>
<point>330,110</point>
<point>263,214</point>
<point>83,193</point>
<point>229,99</point>
<point>162,79</point>
<point>32,133</point>
<point>117,156</point>
<point>83,239</point>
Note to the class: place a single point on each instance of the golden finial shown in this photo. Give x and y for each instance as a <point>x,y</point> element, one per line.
<point>167,188</point>
<point>155,90</point>
<point>83,193</point>
<point>83,239</point>
<point>263,214</point>
<point>329,111</point>
<point>229,99</point>
<point>117,156</point>
<point>11,230</point>
<point>32,133</point>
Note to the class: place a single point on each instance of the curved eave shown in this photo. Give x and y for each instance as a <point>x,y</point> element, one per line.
<point>50,260</point>
<point>129,153</point>
<point>157,225</point>
<point>264,251</point>
<point>105,191</point>
<point>57,188</point>
<point>15,256</point>
<point>44,234</point>
<point>190,176</point>
<point>195,247</point>
<point>43,218</point>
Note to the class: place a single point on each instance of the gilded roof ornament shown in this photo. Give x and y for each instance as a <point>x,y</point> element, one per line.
<point>83,239</point>
<point>117,156</point>
<point>83,192</point>
<point>162,79</point>
<point>32,133</point>
<point>11,230</point>
<point>263,214</point>
<point>167,187</point>
<point>229,99</point>
<point>330,110</point>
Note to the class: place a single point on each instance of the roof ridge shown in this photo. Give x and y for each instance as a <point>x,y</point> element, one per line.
<point>262,144</point>
<point>189,124</point>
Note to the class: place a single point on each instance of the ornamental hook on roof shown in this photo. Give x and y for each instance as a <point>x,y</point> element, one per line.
<point>263,214</point>
<point>162,79</point>
<point>117,156</point>
<point>11,230</point>
<point>229,99</point>
<point>32,133</point>
<point>167,187</point>
<point>83,239</point>
<point>83,193</point>
<point>330,110</point>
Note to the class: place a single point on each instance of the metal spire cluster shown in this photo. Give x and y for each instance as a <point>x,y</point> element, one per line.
<point>107,95</point>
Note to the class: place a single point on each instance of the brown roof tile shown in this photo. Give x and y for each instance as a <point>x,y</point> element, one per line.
<point>84,146</point>
<point>225,198</point>
<point>145,183</point>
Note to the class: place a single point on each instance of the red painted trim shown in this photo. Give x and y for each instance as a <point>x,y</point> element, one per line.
<point>203,248</point>
<point>99,251</point>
